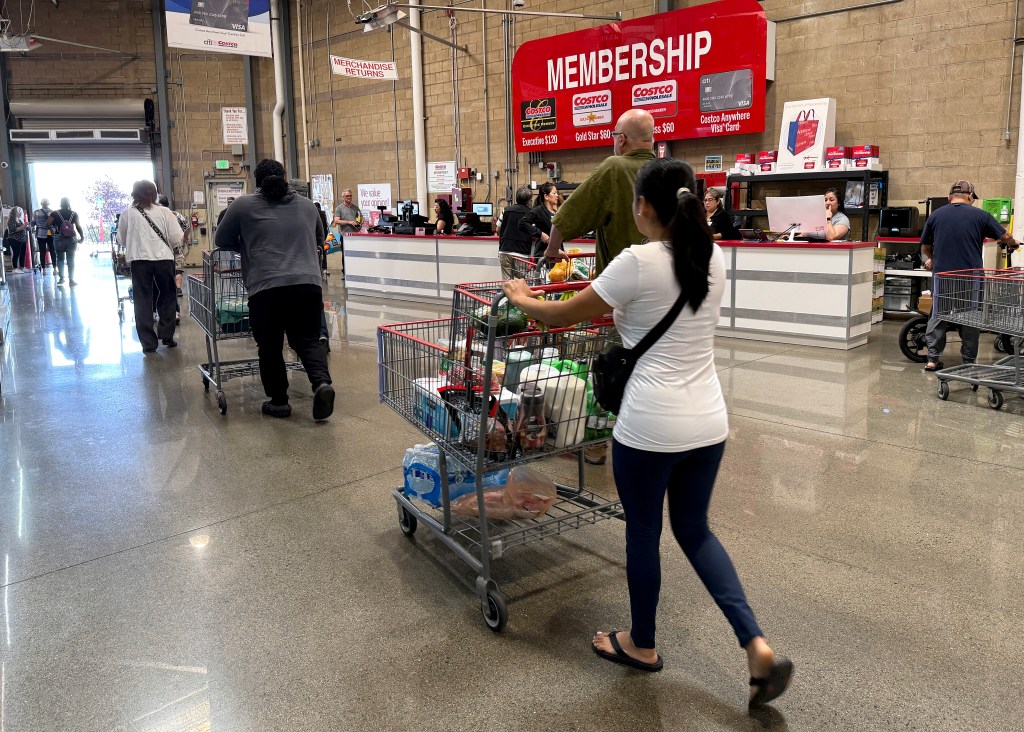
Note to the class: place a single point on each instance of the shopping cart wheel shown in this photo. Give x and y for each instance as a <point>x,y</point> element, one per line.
<point>995,399</point>
<point>206,384</point>
<point>912,339</point>
<point>406,521</point>
<point>494,611</point>
<point>943,390</point>
<point>1003,343</point>
<point>222,402</point>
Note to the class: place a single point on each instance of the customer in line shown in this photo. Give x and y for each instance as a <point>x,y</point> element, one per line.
<point>514,240</point>
<point>602,202</point>
<point>149,234</point>
<point>953,239</point>
<point>277,232</point>
<point>444,218</point>
<point>719,219</point>
<point>18,240</point>
<point>64,223</point>
<point>671,430</point>
<point>537,223</point>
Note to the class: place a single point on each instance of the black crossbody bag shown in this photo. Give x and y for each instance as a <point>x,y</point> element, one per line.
<point>614,365</point>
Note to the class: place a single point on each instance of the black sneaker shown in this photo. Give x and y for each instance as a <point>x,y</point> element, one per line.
<point>323,402</point>
<point>170,343</point>
<point>277,410</point>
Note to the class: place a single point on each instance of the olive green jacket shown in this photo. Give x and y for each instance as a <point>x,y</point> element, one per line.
<point>604,204</point>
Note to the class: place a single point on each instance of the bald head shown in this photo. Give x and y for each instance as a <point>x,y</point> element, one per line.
<point>634,131</point>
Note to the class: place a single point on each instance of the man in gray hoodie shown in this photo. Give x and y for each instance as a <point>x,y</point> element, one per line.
<point>277,233</point>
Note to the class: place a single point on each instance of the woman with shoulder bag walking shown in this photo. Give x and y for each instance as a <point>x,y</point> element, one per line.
<point>149,234</point>
<point>670,434</point>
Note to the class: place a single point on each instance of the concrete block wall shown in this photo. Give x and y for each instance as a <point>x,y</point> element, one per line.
<point>926,80</point>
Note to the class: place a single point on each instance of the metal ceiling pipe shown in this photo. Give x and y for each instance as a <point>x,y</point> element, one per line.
<point>279,88</point>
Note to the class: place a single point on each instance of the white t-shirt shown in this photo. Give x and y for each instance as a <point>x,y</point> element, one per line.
<point>139,239</point>
<point>673,401</point>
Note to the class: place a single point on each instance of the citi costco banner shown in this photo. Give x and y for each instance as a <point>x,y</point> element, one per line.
<point>701,72</point>
<point>224,26</point>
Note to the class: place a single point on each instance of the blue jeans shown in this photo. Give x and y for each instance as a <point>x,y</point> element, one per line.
<point>643,478</point>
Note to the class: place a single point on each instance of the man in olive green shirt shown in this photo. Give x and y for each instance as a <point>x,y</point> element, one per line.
<point>604,202</point>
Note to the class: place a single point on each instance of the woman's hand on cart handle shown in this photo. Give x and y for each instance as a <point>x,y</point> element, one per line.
<point>517,291</point>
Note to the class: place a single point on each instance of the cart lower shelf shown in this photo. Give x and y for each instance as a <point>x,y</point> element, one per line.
<point>574,509</point>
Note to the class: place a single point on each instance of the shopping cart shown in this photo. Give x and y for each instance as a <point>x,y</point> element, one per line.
<point>990,300</point>
<point>535,269</point>
<point>122,271</point>
<point>473,384</point>
<point>218,301</point>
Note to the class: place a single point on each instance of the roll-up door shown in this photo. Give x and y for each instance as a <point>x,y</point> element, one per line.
<point>80,129</point>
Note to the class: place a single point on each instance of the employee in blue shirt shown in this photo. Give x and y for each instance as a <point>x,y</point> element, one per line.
<point>952,240</point>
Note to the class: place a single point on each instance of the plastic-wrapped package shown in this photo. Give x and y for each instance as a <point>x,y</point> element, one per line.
<point>526,495</point>
<point>423,478</point>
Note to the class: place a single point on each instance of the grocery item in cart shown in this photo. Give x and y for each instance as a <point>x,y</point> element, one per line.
<point>509,320</point>
<point>423,476</point>
<point>565,403</point>
<point>429,408</point>
<point>531,423</point>
<point>526,495</point>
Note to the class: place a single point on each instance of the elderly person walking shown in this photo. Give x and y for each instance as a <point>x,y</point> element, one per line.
<point>149,234</point>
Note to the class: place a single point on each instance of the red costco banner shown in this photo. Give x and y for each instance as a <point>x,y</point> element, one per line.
<point>700,72</point>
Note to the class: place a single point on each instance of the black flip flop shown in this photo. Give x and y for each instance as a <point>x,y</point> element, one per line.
<point>772,687</point>
<point>936,367</point>
<point>620,656</point>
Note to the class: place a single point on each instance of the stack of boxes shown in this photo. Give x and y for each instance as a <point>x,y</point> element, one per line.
<point>843,157</point>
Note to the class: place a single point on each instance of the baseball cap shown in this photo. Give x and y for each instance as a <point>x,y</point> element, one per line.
<point>963,187</point>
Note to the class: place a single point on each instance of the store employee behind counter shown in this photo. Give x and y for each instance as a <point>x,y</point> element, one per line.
<point>718,218</point>
<point>837,225</point>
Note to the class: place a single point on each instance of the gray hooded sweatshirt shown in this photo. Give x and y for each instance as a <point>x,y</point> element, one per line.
<point>278,240</point>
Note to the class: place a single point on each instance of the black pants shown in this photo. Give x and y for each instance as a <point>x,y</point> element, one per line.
<point>153,279</point>
<point>46,245</point>
<point>18,251</point>
<point>293,310</point>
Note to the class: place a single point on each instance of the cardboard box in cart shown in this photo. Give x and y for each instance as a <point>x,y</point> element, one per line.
<point>808,129</point>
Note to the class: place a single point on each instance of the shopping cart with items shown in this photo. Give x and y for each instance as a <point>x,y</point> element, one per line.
<point>218,301</point>
<point>495,392</point>
<point>989,300</point>
<point>579,267</point>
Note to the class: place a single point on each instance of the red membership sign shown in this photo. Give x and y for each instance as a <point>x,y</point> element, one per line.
<point>701,72</point>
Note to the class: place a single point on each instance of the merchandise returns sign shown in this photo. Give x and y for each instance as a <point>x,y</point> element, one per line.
<point>701,72</point>
<point>359,69</point>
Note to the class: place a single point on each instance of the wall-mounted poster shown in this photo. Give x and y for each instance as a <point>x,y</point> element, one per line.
<point>700,71</point>
<point>808,128</point>
<point>322,192</point>
<point>235,124</point>
<point>440,177</point>
<point>222,26</point>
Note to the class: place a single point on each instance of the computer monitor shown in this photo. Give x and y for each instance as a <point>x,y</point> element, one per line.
<point>415,211</point>
<point>483,209</point>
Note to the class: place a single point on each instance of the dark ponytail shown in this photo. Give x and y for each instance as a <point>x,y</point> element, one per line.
<point>270,179</point>
<point>669,186</point>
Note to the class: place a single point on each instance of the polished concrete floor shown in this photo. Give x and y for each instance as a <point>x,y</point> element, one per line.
<point>169,568</point>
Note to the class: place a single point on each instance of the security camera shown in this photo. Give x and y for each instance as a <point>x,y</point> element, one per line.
<point>519,4</point>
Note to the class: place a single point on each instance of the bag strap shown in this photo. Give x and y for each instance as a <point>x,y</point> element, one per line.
<point>658,330</point>
<point>155,228</point>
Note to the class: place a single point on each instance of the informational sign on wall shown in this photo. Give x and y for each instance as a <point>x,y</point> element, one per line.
<point>221,26</point>
<point>370,196</point>
<point>440,177</point>
<point>712,163</point>
<point>359,69</point>
<point>321,190</point>
<point>236,127</point>
<point>700,72</point>
<point>227,192</point>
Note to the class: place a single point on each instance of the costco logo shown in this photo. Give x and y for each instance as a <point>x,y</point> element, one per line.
<point>592,108</point>
<point>658,97</point>
<point>657,93</point>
